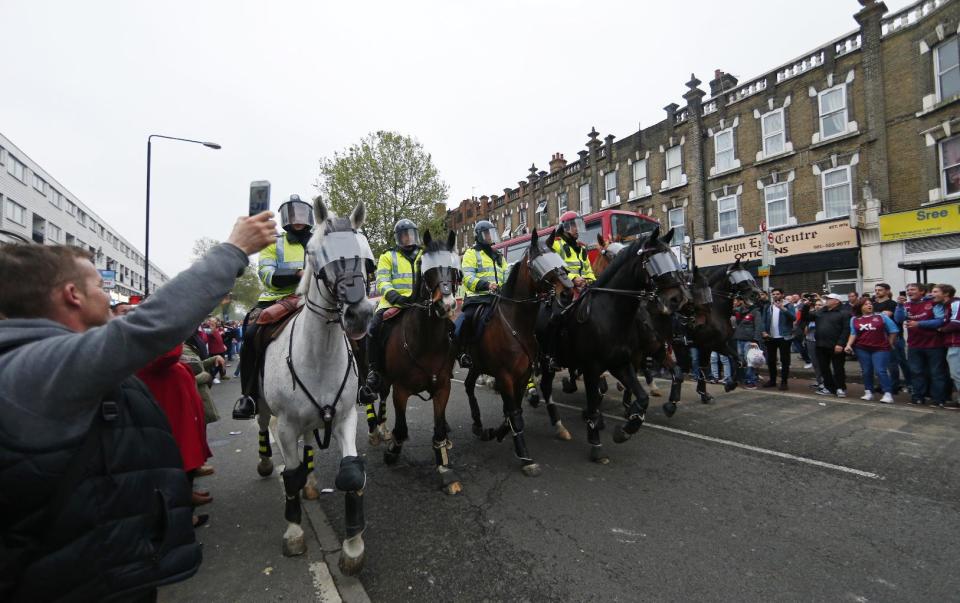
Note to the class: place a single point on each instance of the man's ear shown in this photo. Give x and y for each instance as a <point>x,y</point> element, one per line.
<point>68,294</point>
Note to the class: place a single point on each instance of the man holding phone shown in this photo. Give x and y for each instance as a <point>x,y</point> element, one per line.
<point>778,319</point>
<point>280,268</point>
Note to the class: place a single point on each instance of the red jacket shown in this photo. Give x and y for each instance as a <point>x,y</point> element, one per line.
<point>951,329</point>
<point>215,342</point>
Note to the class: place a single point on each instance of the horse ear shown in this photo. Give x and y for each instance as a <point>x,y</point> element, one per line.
<point>358,216</point>
<point>736,264</point>
<point>551,238</point>
<point>668,238</point>
<point>427,238</point>
<point>600,241</point>
<point>533,239</point>
<point>320,212</point>
<point>451,240</point>
<point>655,235</point>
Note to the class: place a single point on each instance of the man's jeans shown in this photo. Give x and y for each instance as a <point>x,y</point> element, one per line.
<point>750,378</point>
<point>928,367</point>
<point>718,359</point>
<point>871,361</point>
<point>953,360</point>
<point>898,364</point>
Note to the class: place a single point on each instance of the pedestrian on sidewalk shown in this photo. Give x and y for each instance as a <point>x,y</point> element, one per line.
<point>810,342</point>
<point>885,304</point>
<point>748,334</point>
<point>923,316</point>
<point>831,332</point>
<point>778,319</point>
<point>951,338</point>
<point>85,447</point>
<point>871,339</point>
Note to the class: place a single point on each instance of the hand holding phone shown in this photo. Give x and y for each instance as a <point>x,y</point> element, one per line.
<point>259,197</point>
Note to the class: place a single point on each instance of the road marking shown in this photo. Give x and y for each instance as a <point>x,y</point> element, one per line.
<point>324,588</point>
<point>835,400</point>
<point>767,451</point>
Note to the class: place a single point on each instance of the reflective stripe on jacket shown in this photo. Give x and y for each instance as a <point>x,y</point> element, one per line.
<point>479,270</point>
<point>394,273</point>
<point>578,263</point>
<point>282,255</point>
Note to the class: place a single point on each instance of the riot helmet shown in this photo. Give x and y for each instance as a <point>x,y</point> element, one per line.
<point>571,224</point>
<point>294,211</point>
<point>486,233</point>
<point>405,234</point>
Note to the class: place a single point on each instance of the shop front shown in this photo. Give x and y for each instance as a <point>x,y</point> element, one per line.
<point>921,245</point>
<point>823,256</point>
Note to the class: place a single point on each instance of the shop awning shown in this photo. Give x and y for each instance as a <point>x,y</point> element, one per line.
<point>921,267</point>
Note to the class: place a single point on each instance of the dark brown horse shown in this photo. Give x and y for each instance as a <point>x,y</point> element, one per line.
<point>507,348</point>
<point>419,357</point>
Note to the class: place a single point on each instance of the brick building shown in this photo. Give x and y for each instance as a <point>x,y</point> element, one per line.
<point>848,154</point>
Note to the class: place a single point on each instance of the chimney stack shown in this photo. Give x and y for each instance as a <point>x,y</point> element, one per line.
<point>722,82</point>
<point>557,162</point>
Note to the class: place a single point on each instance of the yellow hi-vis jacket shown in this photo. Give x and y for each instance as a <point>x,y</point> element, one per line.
<point>394,273</point>
<point>479,268</point>
<point>284,256</point>
<point>578,263</point>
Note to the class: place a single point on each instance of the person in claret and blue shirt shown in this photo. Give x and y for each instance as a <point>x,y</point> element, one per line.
<point>951,338</point>
<point>922,317</point>
<point>872,337</point>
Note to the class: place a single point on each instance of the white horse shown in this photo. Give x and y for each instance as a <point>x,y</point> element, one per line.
<point>310,376</point>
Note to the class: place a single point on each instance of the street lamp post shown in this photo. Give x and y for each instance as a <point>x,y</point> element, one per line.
<point>146,242</point>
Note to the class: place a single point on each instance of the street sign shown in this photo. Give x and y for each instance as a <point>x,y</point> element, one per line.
<point>763,226</point>
<point>763,271</point>
<point>109,278</point>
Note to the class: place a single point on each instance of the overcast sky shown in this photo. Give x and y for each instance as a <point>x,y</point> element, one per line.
<point>488,87</point>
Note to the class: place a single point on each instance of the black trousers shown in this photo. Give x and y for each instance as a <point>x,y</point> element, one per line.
<point>775,347</point>
<point>832,368</point>
<point>249,372</point>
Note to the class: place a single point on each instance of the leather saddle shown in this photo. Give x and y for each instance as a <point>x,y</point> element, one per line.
<point>283,309</point>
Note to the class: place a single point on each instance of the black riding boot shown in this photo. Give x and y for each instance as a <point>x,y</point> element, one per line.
<point>246,405</point>
<point>366,394</point>
<point>463,357</point>
<point>374,380</point>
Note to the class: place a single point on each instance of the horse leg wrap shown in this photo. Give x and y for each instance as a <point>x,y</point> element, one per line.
<point>515,420</point>
<point>440,452</point>
<point>293,481</point>
<point>371,417</point>
<point>308,457</point>
<point>353,516</point>
<point>264,444</point>
<point>593,427</point>
<point>552,411</point>
<point>351,477</point>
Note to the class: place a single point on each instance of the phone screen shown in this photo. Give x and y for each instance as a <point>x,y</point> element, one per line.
<point>259,197</point>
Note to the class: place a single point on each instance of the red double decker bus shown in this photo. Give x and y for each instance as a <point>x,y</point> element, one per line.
<point>613,224</point>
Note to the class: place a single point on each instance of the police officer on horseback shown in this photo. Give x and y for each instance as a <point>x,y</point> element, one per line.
<point>483,273</point>
<point>280,268</point>
<point>395,271</point>
<point>573,252</point>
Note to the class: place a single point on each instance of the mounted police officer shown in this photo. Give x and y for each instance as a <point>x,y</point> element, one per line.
<point>484,271</point>
<point>279,269</point>
<point>573,252</point>
<point>395,270</point>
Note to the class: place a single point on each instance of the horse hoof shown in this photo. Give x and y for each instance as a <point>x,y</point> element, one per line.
<point>706,398</point>
<point>568,386</point>
<point>603,385</point>
<point>390,457</point>
<point>453,488</point>
<point>656,393</point>
<point>563,433</point>
<point>597,455</point>
<point>620,436</point>
<point>669,408</point>
<point>729,387</point>
<point>294,546</point>
<point>349,564</point>
<point>531,470</point>
<point>533,397</point>
<point>374,438</point>
<point>310,492</point>
<point>265,467</point>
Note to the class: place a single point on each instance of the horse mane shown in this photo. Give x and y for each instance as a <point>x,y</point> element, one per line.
<point>303,289</point>
<point>620,259</point>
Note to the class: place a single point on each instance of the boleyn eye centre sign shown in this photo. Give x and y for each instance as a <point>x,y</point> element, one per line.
<point>811,238</point>
<point>923,222</point>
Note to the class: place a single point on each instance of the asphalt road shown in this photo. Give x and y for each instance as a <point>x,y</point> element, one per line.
<point>759,496</point>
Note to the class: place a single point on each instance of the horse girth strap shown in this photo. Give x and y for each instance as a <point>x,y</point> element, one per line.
<point>328,411</point>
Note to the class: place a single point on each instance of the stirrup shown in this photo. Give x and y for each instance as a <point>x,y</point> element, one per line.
<point>245,408</point>
<point>465,361</point>
<point>366,395</point>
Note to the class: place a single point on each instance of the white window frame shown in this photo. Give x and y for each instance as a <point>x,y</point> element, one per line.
<point>781,133</point>
<point>56,198</point>
<point>671,223</point>
<point>640,186</point>
<point>937,74</point>
<point>721,211</point>
<point>522,220</point>
<point>679,166</point>
<point>607,189</point>
<point>14,165</point>
<point>563,204</point>
<point>767,201</point>
<point>944,168</point>
<point>823,189</point>
<point>543,217</point>
<point>717,152</point>
<point>71,207</point>
<point>50,230</point>
<point>589,208</point>
<point>10,208</point>
<point>39,184</point>
<point>845,110</point>
<point>507,227</point>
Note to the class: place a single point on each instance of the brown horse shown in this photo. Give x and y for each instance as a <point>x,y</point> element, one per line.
<point>507,348</point>
<point>419,357</point>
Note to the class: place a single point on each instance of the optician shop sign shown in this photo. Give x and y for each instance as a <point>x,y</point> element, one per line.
<point>923,222</point>
<point>811,238</point>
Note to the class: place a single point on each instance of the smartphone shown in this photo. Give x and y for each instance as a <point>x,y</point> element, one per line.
<point>259,197</point>
<point>903,294</point>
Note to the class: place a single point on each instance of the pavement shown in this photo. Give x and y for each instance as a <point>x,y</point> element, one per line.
<point>761,495</point>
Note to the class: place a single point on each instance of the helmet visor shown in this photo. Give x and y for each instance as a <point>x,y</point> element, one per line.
<point>489,236</point>
<point>407,237</point>
<point>577,224</point>
<point>296,212</point>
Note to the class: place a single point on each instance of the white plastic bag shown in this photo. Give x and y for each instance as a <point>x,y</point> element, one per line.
<point>755,358</point>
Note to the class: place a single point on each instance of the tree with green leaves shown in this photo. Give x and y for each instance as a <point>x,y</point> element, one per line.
<point>246,291</point>
<point>394,177</point>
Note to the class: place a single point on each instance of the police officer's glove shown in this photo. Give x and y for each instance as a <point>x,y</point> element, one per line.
<point>394,297</point>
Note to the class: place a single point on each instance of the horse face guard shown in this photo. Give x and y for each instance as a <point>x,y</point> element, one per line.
<point>341,263</point>
<point>702,295</point>
<point>744,284</point>
<point>664,272</point>
<point>611,250</point>
<point>546,265</point>
<point>441,270</point>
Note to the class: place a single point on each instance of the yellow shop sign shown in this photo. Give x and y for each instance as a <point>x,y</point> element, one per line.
<point>922,222</point>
